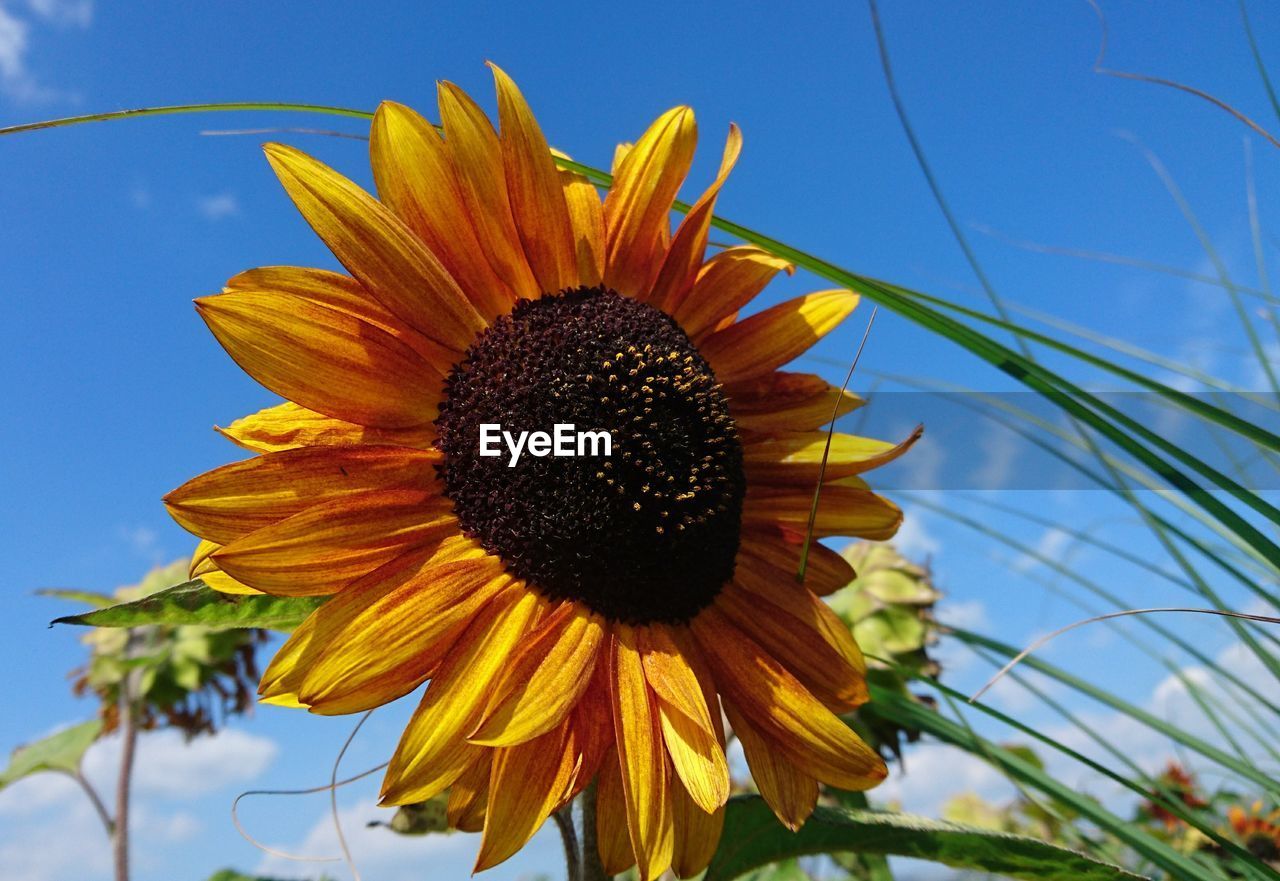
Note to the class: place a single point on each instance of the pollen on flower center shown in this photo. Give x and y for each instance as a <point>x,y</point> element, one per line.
<point>646,534</point>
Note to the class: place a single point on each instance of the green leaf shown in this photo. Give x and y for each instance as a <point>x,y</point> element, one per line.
<point>57,752</point>
<point>196,603</point>
<point>753,837</point>
<point>88,597</point>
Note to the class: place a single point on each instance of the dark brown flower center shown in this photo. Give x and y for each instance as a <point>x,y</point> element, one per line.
<point>646,533</point>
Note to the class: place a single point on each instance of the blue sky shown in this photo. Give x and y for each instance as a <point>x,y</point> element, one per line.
<point>110,383</point>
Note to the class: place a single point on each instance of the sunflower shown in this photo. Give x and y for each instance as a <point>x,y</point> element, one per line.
<point>580,618</point>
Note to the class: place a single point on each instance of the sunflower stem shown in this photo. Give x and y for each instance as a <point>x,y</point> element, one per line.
<point>569,835</point>
<point>128,744</point>
<point>592,868</point>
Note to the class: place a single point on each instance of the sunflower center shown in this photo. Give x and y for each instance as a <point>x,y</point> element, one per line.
<point>646,533</point>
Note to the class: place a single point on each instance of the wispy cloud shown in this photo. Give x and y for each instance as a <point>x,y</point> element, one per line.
<point>17,81</point>
<point>218,206</point>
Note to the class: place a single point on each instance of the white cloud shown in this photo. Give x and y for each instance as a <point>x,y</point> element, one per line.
<point>934,772</point>
<point>1052,542</point>
<point>964,614</point>
<point>142,541</point>
<point>168,766</point>
<point>914,540</point>
<point>64,12</point>
<point>1002,449</point>
<point>44,813</point>
<point>218,206</point>
<point>376,851</point>
<point>16,78</point>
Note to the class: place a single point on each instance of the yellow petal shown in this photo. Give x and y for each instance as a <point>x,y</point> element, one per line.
<point>529,782</point>
<point>396,642</point>
<point>533,186</point>
<point>377,248</point>
<point>332,544</point>
<point>684,258</point>
<point>769,339</point>
<point>641,757</point>
<point>792,719</point>
<point>790,793</point>
<point>842,510</point>
<point>230,502</point>
<point>345,294</point>
<point>284,676</point>
<point>724,284</point>
<point>797,457</point>
<point>788,625</point>
<point>476,155</point>
<point>415,179</point>
<point>224,583</point>
<point>612,838</point>
<point>691,741</point>
<point>781,401</point>
<point>544,680</point>
<point>637,209</point>
<point>288,426</point>
<point>323,359</point>
<point>586,214</point>
<point>469,795</point>
<point>697,834</point>
<point>433,751</point>
<point>825,570</point>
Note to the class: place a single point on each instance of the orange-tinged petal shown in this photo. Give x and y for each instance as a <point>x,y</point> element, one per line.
<point>476,155</point>
<point>469,795</point>
<point>690,738</point>
<point>330,545</point>
<point>724,284</point>
<point>641,757</point>
<point>796,636</point>
<point>416,179</point>
<point>545,678</point>
<point>769,339</point>
<point>377,248</point>
<point>586,214</point>
<point>533,186</point>
<point>284,675</point>
<point>433,751</point>
<point>782,401</point>
<point>529,782</point>
<point>395,643</point>
<point>345,294</point>
<point>288,426</point>
<point>592,720</point>
<point>825,570</point>
<point>790,793</point>
<point>684,257</point>
<point>203,567</point>
<point>324,359</point>
<point>697,834</point>
<point>230,502</point>
<point>791,718</point>
<point>637,209</point>
<point>798,457</point>
<point>765,583</point>
<point>613,841</point>
<point>842,510</point>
